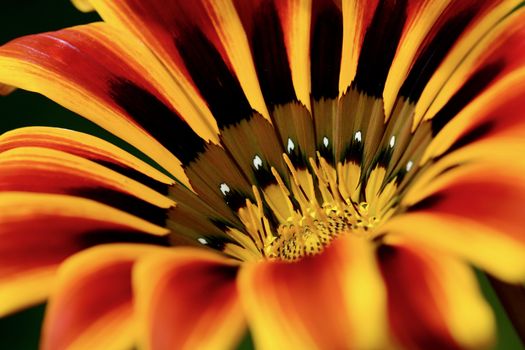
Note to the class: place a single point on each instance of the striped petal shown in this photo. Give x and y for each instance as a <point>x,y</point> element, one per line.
<point>433,300</point>
<point>435,37</point>
<point>474,212</point>
<point>269,26</point>
<point>39,231</point>
<point>357,15</point>
<point>88,147</point>
<point>485,35</point>
<point>314,303</point>
<point>115,81</point>
<point>36,169</point>
<point>203,45</point>
<point>496,112</point>
<point>187,299</point>
<point>91,306</point>
<point>266,74</point>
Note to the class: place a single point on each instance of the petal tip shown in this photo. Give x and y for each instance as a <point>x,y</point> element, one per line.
<point>83,5</point>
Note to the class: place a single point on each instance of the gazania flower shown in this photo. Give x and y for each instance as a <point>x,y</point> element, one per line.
<point>321,172</point>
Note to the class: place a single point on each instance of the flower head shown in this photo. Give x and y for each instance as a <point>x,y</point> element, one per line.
<point>322,172</point>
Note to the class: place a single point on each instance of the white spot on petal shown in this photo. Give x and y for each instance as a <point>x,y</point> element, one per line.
<point>257,162</point>
<point>409,165</point>
<point>202,240</point>
<point>291,146</point>
<point>358,136</point>
<point>392,141</point>
<point>224,188</point>
<point>326,142</point>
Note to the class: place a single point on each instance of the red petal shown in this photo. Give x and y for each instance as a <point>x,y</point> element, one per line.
<point>317,302</point>
<point>35,169</point>
<point>39,231</point>
<point>473,211</point>
<point>111,79</point>
<point>177,30</point>
<point>92,303</point>
<point>187,299</point>
<point>85,146</point>
<point>433,300</point>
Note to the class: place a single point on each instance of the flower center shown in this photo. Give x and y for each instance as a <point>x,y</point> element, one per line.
<point>318,209</point>
<point>304,179</point>
<point>310,233</point>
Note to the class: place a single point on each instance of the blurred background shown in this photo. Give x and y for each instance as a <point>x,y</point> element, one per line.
<point>22,17</point>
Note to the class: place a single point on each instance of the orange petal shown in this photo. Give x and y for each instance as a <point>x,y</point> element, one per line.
<point>494,113</point>
<point>203,45</point>
<point>475,211</point>
<point>296,17</point>
<point>39,231</point>
<point>83,5</point>
<point>187,299</point>
<point>87,147</point>
<point>36,169</point>
<point>91,306</point>
<point>114,81</point>
<point>433,300</point>
<point>317,302</point>
<point>493,39</point>
<point>275,43</point>
<point>375,57</point>
<point>357,15</point>
<point>433,30</point>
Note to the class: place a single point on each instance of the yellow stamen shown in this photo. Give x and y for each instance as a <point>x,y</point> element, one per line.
<point>307,224</point>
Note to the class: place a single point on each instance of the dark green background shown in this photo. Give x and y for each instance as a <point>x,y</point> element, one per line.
<point>22,17</point>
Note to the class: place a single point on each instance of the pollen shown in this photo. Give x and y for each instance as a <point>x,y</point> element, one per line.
<point>315,208</point>
<point>311,233</point>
